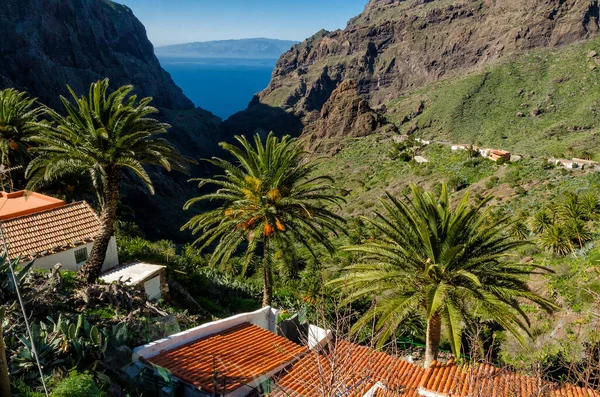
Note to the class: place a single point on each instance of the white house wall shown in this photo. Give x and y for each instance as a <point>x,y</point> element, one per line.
<point>265,318</point>
<point>67,258</point>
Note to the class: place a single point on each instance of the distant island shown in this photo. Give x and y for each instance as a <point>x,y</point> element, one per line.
<point>258,48</point>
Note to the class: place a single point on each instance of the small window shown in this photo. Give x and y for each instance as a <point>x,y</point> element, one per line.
<point>81,255</point>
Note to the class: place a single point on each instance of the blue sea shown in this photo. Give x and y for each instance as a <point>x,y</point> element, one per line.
<point>222,86</point>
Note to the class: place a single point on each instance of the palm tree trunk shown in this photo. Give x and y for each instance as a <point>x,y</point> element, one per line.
<point>267,275</point>
<point>93,267</point>
<point>432,339</point>
<point>4,378</point>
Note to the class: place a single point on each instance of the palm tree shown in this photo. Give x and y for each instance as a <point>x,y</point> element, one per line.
<point>441,263</point>
<point>100,136</point>
<point>540,221</point>
<point>18,117</point>
<point>558,239</point>
<point>269,199</point>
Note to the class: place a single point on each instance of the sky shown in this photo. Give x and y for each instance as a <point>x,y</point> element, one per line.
<point>184,21</point>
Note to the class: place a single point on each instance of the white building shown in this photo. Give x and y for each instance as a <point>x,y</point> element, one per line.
<point>35,226</point>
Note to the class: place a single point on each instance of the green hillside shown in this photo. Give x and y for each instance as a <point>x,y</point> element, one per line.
<point>543,104</point>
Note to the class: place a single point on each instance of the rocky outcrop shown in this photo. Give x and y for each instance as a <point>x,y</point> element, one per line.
<point>396,46</point>
<point>345,114</point>
<point>47,44</point>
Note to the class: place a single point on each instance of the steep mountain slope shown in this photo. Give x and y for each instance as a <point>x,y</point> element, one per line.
<point>47,44</point>
<point>259,48</point>
<point>397,46</point>
<point>544,103</point>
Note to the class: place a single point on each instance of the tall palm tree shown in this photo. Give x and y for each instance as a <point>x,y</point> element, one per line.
<point>268,199</point>
<point>442,263</point>
<point>18,117</point>
<point>101,135</point>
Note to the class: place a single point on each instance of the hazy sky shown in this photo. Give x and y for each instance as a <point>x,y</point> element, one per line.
<point>181,21</point>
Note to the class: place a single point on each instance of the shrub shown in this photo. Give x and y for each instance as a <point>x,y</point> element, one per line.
<point>77,385</point>
<point>20,388</point>
<point>492,182</point>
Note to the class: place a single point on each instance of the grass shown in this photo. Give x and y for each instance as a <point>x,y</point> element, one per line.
<point>363,168</point>
<point>482,108</point>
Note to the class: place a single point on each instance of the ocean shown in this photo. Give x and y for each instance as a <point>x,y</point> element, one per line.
<point>222,86</point>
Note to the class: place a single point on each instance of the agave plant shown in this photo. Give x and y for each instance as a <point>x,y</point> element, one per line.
<point>8,283</point>
<point>61,344</point>
<point>85,343</point>
<point>4,379</point>
<point>47,345</point>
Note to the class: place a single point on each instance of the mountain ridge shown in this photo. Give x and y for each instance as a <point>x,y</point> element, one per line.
<point>251,48</point>
<point>397,46</point>
<point>51,43</point>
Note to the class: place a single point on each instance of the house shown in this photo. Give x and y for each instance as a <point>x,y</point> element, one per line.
<point>243,356</point>
<point>231,357</point>
<point>459,147</point>
<point>354,371</point>
<point>40,227</point>
<point>421,159</point>
<point>515,157</point>
<point>496,154</point>
<point>451,380</point>
<point>586,164</point>
<point>153,278</point>
<point>563,163</point>
<point>483,152</point>
<point>37,227</point>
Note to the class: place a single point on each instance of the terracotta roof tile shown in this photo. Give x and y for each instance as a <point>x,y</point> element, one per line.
<point>52,230</point>
<point>239,355</point>
<point>350,370</point>
<point>485,380</point>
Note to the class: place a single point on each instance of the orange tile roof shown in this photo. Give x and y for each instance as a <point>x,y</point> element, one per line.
<point>350,370</point>
<point>239,355</point>
<point>23,203</point>
<point>488,381</point>
<point>50,231</point>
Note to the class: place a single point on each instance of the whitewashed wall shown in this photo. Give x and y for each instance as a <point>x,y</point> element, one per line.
<point>67,258</point>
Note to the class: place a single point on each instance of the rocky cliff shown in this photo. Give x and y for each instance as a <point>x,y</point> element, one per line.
<point>396,46</point>
<point>47,44</point>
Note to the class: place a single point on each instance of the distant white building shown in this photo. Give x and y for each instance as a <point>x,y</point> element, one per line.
<point>563,162</point>
<point>459,147</point>
<point>421,159</point>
